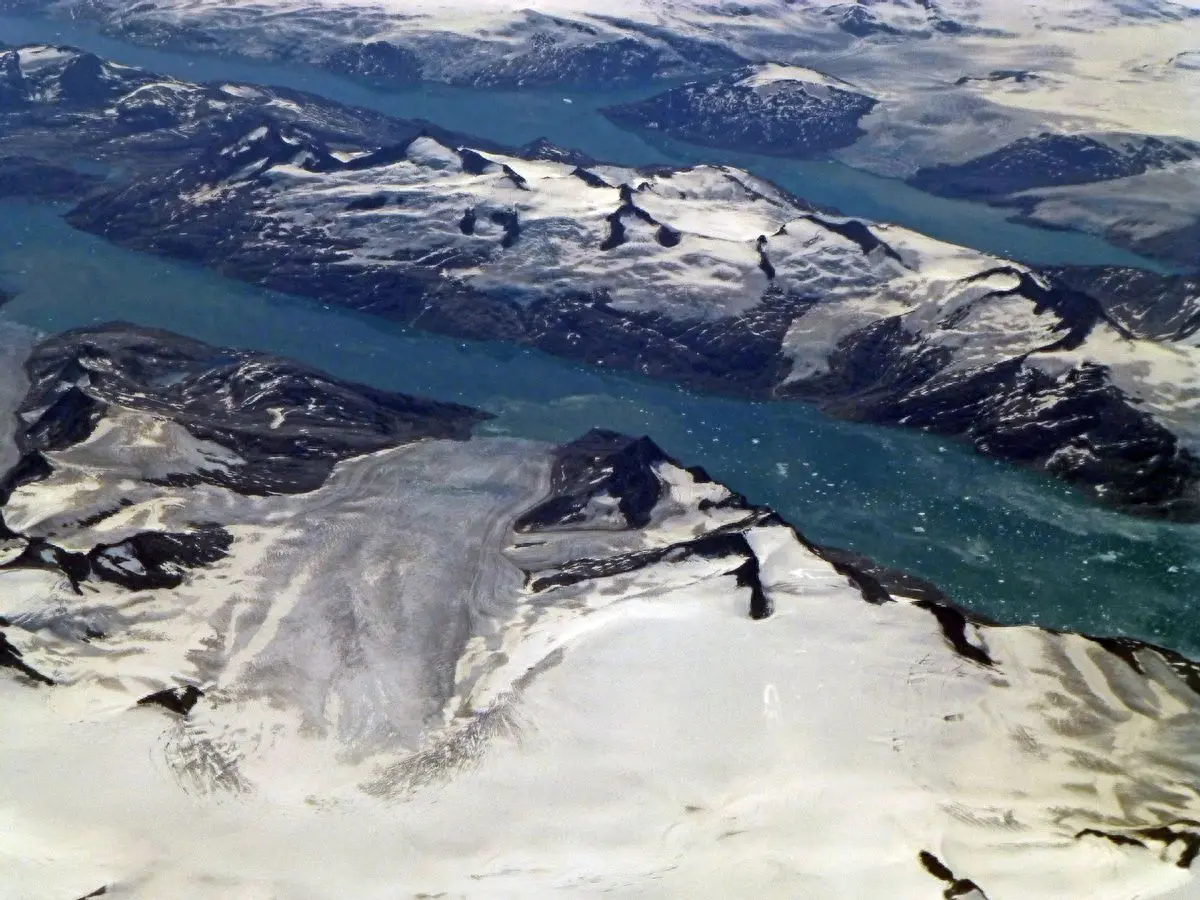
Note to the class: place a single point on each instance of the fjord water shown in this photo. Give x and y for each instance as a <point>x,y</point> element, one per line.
<point>571,119</point>
<point>1006,543</point>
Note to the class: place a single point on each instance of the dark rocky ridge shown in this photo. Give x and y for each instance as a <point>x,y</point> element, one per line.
<point>1144,303</point>
<point>233,398</point>
<point>180,701</point>
<point>10,658</point>
<point>1082,429</point>
<point>1016,76</point>
<point>1050,160</point>
<point>785,118</point>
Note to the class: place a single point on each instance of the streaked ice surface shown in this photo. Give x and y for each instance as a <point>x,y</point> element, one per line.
<point>675,748</point>
<point>634,733</point>
<point>1007,543</point>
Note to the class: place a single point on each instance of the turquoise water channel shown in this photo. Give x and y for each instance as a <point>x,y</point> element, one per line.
<point>1008,543</point>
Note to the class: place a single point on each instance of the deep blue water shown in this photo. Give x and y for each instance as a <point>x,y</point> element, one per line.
<point>1005,542</point>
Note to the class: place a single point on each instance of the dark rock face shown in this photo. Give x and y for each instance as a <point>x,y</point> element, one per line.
<point>225,396</point>
<point>1147,305</point>
<point>784,118</point>
<point>739,355</point>
<point>956,887</point>
<point>1080,428</point>
<point>10,658</point>
<point>180,701</point>
<point>81,81</point>
<point>156,559</point>
<point>1049,161</point>
<point>859,21</point>
<point>151,560</point>
<point>885,370</point>
<point>364,204</point>
<point>1016,76</point>
<point>13,90</point>
<point>602,463</point>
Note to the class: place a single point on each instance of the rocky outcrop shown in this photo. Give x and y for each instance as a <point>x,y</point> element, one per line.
<point>706,276</point>
<point>774,110</point>
<point>1052,160</point>
<point>445,626</point>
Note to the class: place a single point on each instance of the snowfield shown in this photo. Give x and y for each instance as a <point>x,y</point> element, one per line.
<point>1116,66</point>
<point>495,668</point>
<point>949,82</point>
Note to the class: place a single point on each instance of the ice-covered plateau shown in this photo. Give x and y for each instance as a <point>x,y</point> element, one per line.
<point>266,633</point>
<point>706,276</point>
<point>954,94</point>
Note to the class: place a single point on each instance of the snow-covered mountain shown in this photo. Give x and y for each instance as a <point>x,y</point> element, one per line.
<point>568,41</point>
<point>773,109</point>
<point>706,275</point>
<point>1135,189</point>
<point>955,83</point>
<point>266,633</point>
<point>954,79</point>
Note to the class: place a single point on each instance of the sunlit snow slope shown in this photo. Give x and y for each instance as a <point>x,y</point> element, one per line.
<point>270,634</point>
<point>961,92</point>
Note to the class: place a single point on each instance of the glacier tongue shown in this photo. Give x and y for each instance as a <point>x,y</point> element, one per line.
<point>491,667</point>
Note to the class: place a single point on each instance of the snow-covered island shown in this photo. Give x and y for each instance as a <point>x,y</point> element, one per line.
<point>771,109</point>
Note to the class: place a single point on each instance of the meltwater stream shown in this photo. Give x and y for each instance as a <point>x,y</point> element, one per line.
<point>1007,543</point>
